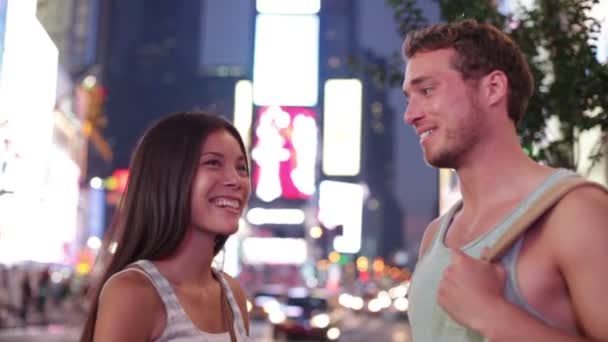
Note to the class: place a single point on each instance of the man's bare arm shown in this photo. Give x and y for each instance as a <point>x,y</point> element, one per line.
<point>578,236</point>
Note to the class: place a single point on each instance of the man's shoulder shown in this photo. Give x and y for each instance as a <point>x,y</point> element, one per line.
<point>579,217</point>
<point>583,203</point>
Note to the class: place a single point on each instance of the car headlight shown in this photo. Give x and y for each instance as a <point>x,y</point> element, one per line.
<point>276,317</point>
<point>320,321</point>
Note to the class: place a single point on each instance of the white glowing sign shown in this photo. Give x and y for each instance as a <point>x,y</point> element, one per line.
<point>286,60</point>
<point>341,203</point>
<point>284,153</point>
<point>342,127</point>
<point>449,190</point>
<point>243,110</point>
<point>289,7</point>
<point>274,251</point>
<point>259,216</point>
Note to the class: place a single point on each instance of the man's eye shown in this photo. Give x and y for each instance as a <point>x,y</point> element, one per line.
<point>427,91</point>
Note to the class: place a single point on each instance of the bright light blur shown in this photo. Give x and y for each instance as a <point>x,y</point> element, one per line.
<point>90,81</point>
<point>333,333</point>
<point>243,110</point>
<point>288,7</point>
<point>342,127</point>
<point>398,291</point>
<point>449,189</point>
<point>345,300</point>
<point>316,232</point>
<point>401,304</point>
<point>362,263</point>
<point>320,321</point>
<point>94,243</point>
<point>259,216</point>
<point>384,299</point>
<point>285,153</point>
<point>342,203</point>
<point>286,60</point>
<point>112,247</point>
<point>374,305</point>
<point>276,317</point>
<point>357,303</point>
<point>271,306</point>
<point>334,257</point>
<point>29,71</point>
<point>249,305</point>
<point>274,251</point>
<point>56,277</point>
<point>96,183</point>
<point>298,292</point>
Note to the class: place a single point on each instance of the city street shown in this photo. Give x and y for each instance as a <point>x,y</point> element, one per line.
<point>356,328</point>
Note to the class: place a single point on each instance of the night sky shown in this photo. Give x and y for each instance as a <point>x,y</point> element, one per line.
<point>137,96</point>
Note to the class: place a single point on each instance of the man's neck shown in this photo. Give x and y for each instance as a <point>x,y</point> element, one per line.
<point>497,171</point>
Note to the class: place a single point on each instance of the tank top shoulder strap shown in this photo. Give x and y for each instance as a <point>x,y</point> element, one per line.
<point>444,223</point>
<point>236,311</point>
<point>163,287</point>
<point>552,180</point>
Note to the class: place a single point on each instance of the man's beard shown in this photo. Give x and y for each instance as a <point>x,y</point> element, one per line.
<point>458,143</point>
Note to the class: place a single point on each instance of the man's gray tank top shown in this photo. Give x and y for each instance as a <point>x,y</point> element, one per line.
<point>429,322</point>
<point>179,327</point>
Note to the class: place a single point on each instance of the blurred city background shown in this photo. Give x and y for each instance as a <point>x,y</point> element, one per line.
<point>341,193</point>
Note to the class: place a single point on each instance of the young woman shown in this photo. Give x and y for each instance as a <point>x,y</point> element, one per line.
<point>188,185</point>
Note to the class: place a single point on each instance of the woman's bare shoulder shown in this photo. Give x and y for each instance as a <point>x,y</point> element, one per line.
<point>127,295</point>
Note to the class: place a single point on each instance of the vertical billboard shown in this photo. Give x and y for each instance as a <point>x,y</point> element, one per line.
<point>286,60</point>
<point>449,189</point>
<point>243,110</point>
<point>284,153</point>
<point>288,7</point>
<point>342,108</point>
<point>341,204</point>
<point>2,30</point>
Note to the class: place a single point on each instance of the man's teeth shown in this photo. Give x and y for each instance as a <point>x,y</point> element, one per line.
<point>426,134</point>
<point>224,202</point>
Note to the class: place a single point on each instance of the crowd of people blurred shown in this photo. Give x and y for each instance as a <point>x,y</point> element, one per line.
<point>40,294</point>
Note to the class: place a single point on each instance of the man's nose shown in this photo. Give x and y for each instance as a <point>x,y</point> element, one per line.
<point>412,113</point>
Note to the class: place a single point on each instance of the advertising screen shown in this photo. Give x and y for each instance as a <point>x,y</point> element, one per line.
<point>284,153</point>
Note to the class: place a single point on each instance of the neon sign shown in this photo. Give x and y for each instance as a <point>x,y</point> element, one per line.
<point>284,153</point>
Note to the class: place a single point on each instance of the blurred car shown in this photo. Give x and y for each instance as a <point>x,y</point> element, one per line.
<point>266,301</point>
<point>309,316</point>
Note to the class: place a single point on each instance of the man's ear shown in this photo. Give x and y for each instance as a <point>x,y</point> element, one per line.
<point>495,87</point>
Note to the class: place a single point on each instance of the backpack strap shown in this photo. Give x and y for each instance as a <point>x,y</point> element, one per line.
<point>534,212</point>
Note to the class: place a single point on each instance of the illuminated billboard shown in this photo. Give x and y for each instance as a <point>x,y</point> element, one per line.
<point>284,153</point>
<point>449,189</point>
<point>2,29</point>
<point>342,127</point>
<point>286,60</point>
<point>257,250</point>
<point>341,203</point>
<point>243,110</point>
<point>289,7</point>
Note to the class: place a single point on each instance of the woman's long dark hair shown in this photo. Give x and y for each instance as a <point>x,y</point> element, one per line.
<point>154,214</point>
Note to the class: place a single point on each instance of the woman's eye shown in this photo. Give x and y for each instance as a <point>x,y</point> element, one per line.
<point>243,169</point>
<point>212,162</point>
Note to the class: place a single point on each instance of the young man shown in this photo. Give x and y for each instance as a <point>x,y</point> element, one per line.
<point>467,86</point>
